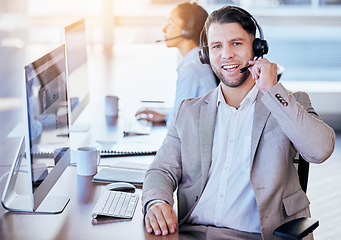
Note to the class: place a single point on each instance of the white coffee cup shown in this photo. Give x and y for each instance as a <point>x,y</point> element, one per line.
<point>87,161</point>
<point>111,106</point>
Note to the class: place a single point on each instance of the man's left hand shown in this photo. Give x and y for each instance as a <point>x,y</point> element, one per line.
<point>264,73</point>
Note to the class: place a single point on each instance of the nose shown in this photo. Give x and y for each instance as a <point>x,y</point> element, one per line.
<point>227,52</point>
<point>164,29</point>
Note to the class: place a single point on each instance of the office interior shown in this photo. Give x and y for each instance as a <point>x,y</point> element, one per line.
<point>124,60</point>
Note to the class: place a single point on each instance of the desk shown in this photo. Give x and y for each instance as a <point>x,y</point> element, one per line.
<point>75,221</point>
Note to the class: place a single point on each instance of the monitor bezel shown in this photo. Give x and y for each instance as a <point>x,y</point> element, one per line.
<point>75,113</point>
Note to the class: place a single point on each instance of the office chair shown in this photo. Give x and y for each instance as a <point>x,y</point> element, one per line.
<point>301,227</point>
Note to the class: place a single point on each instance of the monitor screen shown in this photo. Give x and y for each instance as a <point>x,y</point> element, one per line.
<point>47,136</point>
<point>45,145</point>
<point>77,68</point>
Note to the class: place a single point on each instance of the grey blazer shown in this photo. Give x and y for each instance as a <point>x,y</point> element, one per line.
<point>284,123</point>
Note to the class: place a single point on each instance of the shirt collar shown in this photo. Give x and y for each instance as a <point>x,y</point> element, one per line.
<point>249,98</point>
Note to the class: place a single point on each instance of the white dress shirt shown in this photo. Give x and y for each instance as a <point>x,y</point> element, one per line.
<point>228,199</point>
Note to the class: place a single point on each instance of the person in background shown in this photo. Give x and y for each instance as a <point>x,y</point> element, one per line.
<point>182,31</point>
<point>229,154</point>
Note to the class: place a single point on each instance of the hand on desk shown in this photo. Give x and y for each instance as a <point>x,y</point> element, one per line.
<point>161,219</point>
<point>151,116</point>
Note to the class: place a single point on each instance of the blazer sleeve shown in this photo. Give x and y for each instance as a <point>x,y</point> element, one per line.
<point>310,136</point>
<point>163,175</point>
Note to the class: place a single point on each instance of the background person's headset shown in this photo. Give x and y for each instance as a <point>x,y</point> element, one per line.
<point>186,32</point>
<point>260,46</point>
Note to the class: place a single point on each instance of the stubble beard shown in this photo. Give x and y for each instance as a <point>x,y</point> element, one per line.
<point>233,83</point>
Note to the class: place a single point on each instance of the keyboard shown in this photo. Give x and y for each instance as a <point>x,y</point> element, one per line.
<point>113,153</point>
<point>104,153</point>
<point>116,204</point>
<point>137,127</point>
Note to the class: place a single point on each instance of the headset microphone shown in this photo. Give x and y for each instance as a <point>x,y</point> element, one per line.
<point>167,39</point>
<point>245,68</point>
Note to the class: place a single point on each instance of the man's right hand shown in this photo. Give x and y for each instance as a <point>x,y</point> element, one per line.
<point>151,116</point>
<point>161,219</point>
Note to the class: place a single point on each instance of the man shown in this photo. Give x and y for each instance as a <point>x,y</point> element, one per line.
<point>182,31</point>
<point>229,153</point>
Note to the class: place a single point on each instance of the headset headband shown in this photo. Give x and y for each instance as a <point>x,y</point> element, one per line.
<point>261,34</point>
<point>260,45</point>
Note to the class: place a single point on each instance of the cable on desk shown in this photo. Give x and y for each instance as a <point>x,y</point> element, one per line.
<point>6,173</point>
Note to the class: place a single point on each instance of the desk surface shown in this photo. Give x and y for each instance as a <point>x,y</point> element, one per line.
<point>75,221</point>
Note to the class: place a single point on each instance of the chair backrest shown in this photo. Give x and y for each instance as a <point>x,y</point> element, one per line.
<point>303,171</point>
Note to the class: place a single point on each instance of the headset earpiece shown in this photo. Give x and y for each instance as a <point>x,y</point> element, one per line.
<point>186,34</point>
<point>260,47</point>
<point>187,31</point>
<point>203,52</point>
<point>203,55</point>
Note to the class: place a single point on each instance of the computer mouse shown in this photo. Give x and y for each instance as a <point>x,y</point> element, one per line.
<point>120,186</point>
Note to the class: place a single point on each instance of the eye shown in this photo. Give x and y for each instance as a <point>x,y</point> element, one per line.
<point>237,43</point>
<point>216,46</point>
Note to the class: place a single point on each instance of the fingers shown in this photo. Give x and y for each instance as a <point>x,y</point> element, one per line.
<point>265,74</point>
<point>171,220</point>
<point>145,115</point>
<point>151,116</point>
<point>161,219</point>
<point>143,112</point>
<point>152,224</point>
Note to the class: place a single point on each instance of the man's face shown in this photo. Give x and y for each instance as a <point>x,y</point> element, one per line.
<point>173,28</point>
<point>230,49</point>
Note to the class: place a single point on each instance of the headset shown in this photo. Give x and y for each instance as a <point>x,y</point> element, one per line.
<point>186,33</point>
<point>260,45</point>
<point>188,30</point>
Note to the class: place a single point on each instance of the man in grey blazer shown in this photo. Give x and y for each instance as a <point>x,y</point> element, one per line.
<point>229,153</point>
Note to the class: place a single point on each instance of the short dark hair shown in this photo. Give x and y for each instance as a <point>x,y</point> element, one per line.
<point>194,17</point>
<point>231,14</point>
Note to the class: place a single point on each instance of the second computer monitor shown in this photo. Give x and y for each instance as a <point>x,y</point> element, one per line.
<point>77,66</point>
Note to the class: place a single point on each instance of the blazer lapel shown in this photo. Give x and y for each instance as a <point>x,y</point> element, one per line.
<point>208,113</point>
<point>260,117</point>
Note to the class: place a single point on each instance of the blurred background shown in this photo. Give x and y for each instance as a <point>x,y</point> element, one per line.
<point>304,37</point>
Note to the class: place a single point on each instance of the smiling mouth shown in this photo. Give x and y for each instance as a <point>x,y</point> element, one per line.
<point>230,67</point>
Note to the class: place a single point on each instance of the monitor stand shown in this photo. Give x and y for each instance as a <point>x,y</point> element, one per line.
<point>23,202</point>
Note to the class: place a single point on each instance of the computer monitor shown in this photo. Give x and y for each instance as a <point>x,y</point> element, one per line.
<point>45,146</point>
<point>77,68</point>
